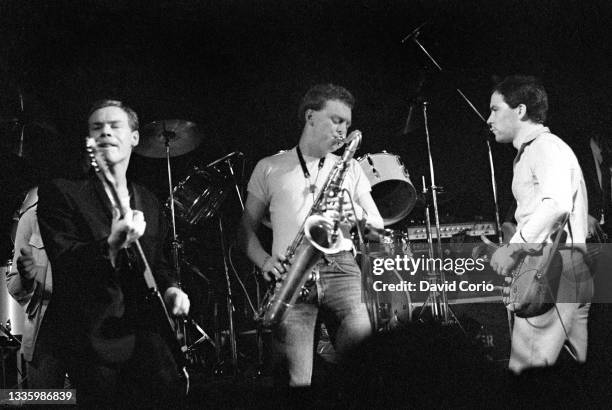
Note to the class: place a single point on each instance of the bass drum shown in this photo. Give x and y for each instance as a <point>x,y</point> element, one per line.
<point>393,308</point>
<point>392,190</point>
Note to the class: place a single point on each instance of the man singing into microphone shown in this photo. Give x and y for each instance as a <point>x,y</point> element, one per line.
<point>287,184</point>
<point>99,321</point>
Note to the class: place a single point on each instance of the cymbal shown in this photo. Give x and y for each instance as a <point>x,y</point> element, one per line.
<point>184,136</point>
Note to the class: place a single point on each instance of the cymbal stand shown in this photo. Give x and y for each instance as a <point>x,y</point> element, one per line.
<point>414,36</point>
<point>181,327</point>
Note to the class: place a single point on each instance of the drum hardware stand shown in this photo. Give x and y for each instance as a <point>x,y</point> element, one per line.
<point>259,329</point>
<point>229,297</point>
<point>204,337</point>
<point>181,327</point>
<point>414,36</point>
<point>227,158</point>
<point>439,306</point>
<point>229,305</point>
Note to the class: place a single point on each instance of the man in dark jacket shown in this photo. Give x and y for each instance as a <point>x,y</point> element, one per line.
<point>99,320</point>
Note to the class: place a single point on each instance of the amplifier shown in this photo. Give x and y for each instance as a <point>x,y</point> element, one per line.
<point>406,267</point>
<point>417,233</point>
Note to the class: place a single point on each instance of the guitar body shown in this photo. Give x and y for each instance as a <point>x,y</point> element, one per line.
<point>534,283</point>
<point>531,288</point>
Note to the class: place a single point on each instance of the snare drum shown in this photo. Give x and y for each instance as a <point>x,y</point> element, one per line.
<point>199,196</point>
<point>392,191</point>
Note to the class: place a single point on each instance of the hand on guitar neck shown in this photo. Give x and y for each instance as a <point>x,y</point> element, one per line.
<point>125,230</point>
<point>506,257</point>
<point>531,272</point>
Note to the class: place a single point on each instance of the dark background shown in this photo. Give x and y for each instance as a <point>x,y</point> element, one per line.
<point>239,69</point>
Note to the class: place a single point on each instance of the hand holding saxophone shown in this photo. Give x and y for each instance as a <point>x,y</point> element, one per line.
<point>274,267</point>
<point>348,215</point>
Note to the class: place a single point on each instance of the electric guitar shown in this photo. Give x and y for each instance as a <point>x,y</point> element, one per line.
<point>168,330</point>
<point>531,287</point>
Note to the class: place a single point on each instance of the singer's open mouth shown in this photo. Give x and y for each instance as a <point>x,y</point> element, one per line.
<point>106,145</point>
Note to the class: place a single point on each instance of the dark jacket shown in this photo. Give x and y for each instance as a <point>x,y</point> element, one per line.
<point>75,219</point>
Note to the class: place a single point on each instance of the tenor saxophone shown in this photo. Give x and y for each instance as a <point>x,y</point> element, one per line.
<point>320,233</point>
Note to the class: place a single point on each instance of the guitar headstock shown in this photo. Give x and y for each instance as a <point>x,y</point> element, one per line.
<point>99,164</point>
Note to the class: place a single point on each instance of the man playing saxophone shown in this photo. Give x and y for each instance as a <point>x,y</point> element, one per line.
<point>287,184</point>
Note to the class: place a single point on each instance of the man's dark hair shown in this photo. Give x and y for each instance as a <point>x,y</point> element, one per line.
<point>132,116</point>
<point>527,90</point>
<point>318,95</point>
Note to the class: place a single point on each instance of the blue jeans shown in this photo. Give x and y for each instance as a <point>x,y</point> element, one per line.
<point>338,296</point>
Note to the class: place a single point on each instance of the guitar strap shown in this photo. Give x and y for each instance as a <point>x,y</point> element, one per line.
<point>526,144</point>
<point>569,347</point>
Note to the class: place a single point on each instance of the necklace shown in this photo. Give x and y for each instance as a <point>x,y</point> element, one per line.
<point>311,185</point>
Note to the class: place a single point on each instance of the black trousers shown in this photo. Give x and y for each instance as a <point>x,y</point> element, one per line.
<point>148,379</point>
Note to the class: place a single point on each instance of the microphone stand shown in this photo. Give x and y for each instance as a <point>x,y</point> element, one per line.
<point>442,312</point>
<point>439,306</point>
<point>414,36</point>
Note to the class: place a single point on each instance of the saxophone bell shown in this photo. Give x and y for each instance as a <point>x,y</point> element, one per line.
<point>323,233</point>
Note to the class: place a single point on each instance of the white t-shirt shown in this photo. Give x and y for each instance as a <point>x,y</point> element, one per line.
<point>279,182</point>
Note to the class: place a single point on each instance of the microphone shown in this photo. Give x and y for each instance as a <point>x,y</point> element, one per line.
<point>414,33</point>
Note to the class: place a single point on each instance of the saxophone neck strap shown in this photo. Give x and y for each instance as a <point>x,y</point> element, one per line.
<point>305,168</point>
